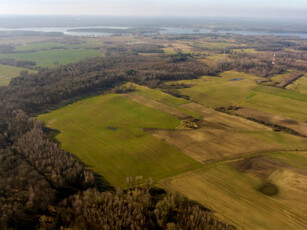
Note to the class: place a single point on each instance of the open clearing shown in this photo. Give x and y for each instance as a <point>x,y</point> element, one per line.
<point>106,132</point>
<point>235,197</point>
<point>223,91</point>
<point>9,72</point>
<point>50,58</point>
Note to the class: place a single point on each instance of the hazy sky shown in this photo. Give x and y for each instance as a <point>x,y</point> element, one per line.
<point>253,8</point>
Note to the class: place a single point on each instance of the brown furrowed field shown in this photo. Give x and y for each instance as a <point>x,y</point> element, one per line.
<point>234,194</point>
<point>297,126</point>
<point>221,136</point>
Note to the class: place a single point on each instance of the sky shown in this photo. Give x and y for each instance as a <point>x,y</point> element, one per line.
<point>238,8</point>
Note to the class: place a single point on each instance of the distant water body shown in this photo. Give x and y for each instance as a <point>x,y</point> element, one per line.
<point>163,30</point>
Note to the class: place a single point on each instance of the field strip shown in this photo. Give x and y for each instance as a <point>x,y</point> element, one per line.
<point>263,117</point>
<point>213,163</point>
<point>157,105</point>
<point>233,122</point>
<point>289,79</point>
<point>242,156</point>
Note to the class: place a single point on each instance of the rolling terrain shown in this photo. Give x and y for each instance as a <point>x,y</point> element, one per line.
<point>223,161</point>
<point>208,117</point>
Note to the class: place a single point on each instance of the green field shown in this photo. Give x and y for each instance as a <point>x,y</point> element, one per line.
<point>158,96</point>
<point>248,50</point>
<point>106,132</point>
<point>9,72</point>
<point>221,91</point>
<point>36,46</point>
<point>163,98</point>
<point>216,45</point>
<point>48,58</point>
<point>39,46</point>
<point>299,85</point>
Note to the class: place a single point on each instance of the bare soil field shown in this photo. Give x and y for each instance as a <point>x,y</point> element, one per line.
<point>210,143</point>
<point>260,166</point>
<point>223,136</point>
<point>204,144</point>
<point>222,120</point>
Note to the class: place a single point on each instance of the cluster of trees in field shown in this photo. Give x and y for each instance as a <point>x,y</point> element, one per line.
<point>146,48</point>
<point>132,49</point>
<point>251,63</point>
<point>43,186</point>
<point>5,49</point>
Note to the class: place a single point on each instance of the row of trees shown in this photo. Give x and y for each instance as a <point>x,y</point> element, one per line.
<point>18,63</point>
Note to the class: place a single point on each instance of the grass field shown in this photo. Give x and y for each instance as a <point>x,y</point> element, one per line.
<point>216,45</point>
<point>37,46</point>
<point>9,72</point>
<point>163,98</point>
<point>106,132</point>
<point>222,91</point>
<point>214,59</point>
<point>299,85</point>
<point>248,50</point>
<point>279,76</point>
<point>159,96</point>
<point>48,58</point>
<point>235,197</point>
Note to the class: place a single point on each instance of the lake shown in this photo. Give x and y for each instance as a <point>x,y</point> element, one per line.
<point>163,30</point>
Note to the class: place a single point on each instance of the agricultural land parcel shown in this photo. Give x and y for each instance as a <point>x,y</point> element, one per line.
<point>106,132</point>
